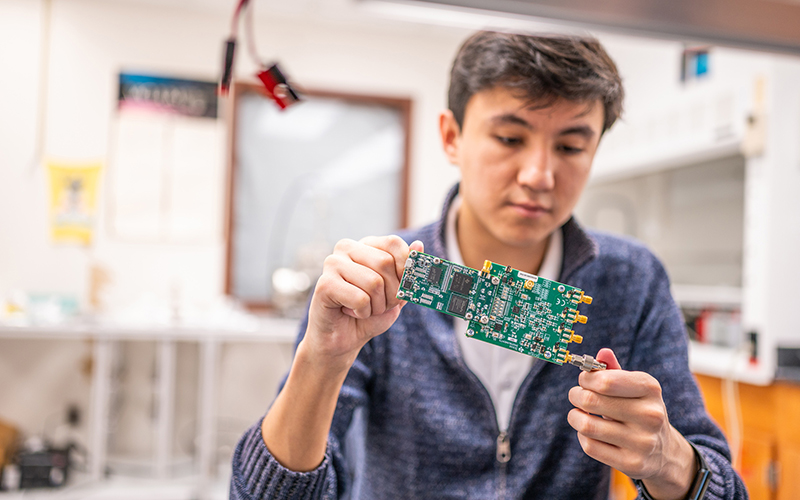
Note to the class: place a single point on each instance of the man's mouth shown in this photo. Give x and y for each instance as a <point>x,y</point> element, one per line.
<point>530,209</point>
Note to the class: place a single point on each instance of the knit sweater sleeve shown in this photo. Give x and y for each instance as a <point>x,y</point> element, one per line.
<point>257,475</point>
<point>660,348</point>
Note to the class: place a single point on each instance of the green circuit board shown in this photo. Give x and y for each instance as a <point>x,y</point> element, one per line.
<point>504,306</point>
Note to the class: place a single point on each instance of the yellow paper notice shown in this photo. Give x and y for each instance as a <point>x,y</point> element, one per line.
<point>73,201</point>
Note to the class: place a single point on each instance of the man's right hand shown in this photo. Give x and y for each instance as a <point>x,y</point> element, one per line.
<point>355,298</point>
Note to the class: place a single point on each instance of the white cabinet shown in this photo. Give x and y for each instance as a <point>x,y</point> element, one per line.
<point>710,180</point>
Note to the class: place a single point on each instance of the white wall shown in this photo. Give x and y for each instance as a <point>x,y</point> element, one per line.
<point>89,43</point>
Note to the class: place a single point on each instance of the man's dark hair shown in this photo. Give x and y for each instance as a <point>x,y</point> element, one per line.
<point>539,68</point>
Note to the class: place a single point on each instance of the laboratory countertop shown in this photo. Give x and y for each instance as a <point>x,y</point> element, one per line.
<point>703,359</point>
<point>256,328</point>
<point>121,488</point>
<point>789,374</point>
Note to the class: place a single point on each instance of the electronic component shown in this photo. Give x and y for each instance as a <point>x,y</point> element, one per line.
<point>435,275</point>
<point>47,468</point>
<point>504,306</point>
<point>461,283</point>
<point>278,87</point>
<point>227,66</point>
<point>586,363</point>
<point>458,305</point>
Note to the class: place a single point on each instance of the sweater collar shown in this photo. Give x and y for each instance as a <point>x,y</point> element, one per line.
<point>579,247</point>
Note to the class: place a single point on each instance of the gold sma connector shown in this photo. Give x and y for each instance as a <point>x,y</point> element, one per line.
<point>583,298</point>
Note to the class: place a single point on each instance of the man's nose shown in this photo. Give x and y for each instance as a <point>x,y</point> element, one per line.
<point>536,170</point>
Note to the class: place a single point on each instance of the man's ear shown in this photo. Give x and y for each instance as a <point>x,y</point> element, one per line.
<point>451,135</point>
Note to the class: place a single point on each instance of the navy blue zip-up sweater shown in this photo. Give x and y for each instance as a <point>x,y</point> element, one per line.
<point>431,430</point>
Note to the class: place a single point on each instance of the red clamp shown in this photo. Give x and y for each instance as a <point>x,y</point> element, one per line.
<point>278,87</point>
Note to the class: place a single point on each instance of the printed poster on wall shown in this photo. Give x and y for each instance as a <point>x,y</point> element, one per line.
<point>73,201</point>
<point>166,161</point>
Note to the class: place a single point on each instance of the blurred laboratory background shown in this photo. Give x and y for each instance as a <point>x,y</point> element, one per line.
<point>159,238</point>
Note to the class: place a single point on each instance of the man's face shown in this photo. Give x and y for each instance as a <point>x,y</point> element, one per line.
<point>522,167</point>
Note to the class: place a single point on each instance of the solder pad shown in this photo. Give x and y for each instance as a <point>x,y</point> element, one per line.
<point>504,306</point>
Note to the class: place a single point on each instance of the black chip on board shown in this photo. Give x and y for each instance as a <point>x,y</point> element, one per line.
<point>461,283</point>
<point>515,309</point>
<point>435,275</point>
<point>408,284</point>
<point>498,327</point>
<point>458,305</point>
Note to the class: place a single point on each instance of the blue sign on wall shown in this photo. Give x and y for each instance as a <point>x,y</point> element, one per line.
<point>168,95</point>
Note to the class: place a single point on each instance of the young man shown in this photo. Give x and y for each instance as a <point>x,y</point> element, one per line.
<point>451,417</point>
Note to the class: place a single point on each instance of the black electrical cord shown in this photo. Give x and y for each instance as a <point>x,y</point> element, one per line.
<point>242,7</point>
<point>230,49</point>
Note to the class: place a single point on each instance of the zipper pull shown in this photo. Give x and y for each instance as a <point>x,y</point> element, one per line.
<point>503,448</point>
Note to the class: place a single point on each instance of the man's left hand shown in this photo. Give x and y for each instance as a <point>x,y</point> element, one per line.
<point>622,421</point>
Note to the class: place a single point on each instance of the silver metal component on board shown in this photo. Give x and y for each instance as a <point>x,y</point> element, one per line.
<point>586,363</point>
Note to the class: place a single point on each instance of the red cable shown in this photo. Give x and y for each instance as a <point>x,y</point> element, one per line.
<point>235,21</point>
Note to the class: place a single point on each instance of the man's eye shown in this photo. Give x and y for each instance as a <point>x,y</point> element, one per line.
<point>569,149</point>
<point>509,141</point>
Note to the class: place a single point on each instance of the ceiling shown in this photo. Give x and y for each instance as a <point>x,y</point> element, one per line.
<point>771,25</point>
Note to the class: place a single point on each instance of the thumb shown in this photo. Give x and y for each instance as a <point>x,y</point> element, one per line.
<point>606,355</point>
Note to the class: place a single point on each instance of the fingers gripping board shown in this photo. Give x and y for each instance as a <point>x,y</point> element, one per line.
<point>504,306</point>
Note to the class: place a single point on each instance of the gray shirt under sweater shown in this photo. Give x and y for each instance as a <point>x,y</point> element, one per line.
<point>431,430</point>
